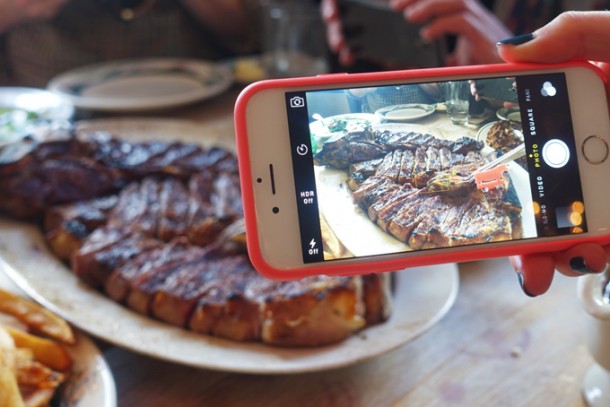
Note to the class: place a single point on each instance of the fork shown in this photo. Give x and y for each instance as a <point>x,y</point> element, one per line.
<point>512,155</point>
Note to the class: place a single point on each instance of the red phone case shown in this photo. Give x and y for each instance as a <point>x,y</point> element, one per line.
<point>375,266</point>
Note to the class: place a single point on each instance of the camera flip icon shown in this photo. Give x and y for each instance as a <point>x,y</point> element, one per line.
<point>297,101</point>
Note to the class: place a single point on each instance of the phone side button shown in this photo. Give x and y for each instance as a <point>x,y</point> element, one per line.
<point>595,149</point>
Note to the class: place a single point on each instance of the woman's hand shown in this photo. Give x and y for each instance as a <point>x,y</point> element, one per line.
<point>572,35</point>
<point>477,29</point>
<point>15,12</point>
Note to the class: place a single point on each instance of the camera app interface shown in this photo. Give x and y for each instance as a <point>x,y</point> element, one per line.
<point>405,167</point>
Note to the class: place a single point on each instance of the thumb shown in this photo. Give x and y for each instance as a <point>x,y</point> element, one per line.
<point>572,35</point>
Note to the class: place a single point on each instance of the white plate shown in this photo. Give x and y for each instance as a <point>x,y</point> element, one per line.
<point>406,112</point>
<point>91,383</point>
<point>512,114</point>
<point>147,84</point>
<point>30,108</point>
<point>422,296</point>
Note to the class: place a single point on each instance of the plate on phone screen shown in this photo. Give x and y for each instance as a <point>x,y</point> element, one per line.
<point>422,295</point>
<point>406,112</point>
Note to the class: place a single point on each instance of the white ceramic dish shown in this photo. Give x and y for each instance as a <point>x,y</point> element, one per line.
<point>322,129</point>
<point>138,85</point>
<point>422,295</point>
<point>23,110</point>
<point>406,112</point>
<point>91,383</point>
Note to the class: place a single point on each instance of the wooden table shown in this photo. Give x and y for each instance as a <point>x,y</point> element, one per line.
<point>495,347</point>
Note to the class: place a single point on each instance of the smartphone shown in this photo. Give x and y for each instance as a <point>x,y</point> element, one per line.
<point>331,188</point>
<point>374,32</point>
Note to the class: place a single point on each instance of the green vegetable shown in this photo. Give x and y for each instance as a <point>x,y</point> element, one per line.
<point>15,122</point>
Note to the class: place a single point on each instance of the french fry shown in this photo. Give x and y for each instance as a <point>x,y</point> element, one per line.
<point>332,246</point>
<point>37,318</point>
<point>9,390</point>
<point>10,396</point>
<point>45,351</point>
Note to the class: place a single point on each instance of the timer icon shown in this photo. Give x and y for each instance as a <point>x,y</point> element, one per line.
<point>302,149</point>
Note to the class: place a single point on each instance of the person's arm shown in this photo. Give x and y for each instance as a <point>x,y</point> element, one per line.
<point>572,35</point>
<point>16,12</point>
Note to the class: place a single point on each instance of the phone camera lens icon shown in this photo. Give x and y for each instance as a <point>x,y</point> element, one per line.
<point>297,101</point>
<point>302,149</point>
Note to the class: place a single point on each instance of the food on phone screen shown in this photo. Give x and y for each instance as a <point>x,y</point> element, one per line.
<point>405,182</point>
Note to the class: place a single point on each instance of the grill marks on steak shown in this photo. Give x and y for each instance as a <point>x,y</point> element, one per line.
<point>39,174</point>
<point>392,187</point>
<point>214,290</point>
<point>426,220</point>
<point>367,144</point>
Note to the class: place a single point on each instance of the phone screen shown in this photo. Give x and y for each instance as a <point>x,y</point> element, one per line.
<point>403,167</point>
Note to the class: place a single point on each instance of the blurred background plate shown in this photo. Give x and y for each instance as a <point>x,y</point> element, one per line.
<point>146,84</point>
<point>24,110</point>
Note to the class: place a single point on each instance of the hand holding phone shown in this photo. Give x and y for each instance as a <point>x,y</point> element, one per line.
<point>384,192</point>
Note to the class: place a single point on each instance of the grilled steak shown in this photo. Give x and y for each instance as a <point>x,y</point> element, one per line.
<point>367,144</point>
<point>139,220</point>
<point>406,187</point>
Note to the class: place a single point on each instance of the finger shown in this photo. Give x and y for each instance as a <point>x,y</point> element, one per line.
<point>334,35</point>
<point>572,35</point>
<point>329,10</point>
<point>421,11</point>
<point>401,4</point>
<point>535,272</point>
<point>587,258</point>
<point>346,56</point>
<point>455,23</point>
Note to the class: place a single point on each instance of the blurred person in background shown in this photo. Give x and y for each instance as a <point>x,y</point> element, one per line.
<point>40,39</point>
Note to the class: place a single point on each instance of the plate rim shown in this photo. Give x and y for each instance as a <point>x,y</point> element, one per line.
<point>427,108</point>
<point>57,85</point>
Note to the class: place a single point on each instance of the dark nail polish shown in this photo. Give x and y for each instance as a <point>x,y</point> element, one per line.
<point>517,40</point>
<point>579,265</point>
<point>520,277</point>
